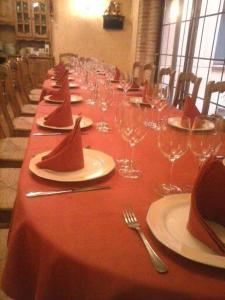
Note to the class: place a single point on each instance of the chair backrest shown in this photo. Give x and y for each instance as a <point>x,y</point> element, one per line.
<point>212,87</point>
<point>22,92</point>
<point>66,58</point>
<point>24,69</point>
<point>6,113</point>
<point>137,71</point>
<point>164,72</point>
<point>148,73</point>
<point>182,88</point>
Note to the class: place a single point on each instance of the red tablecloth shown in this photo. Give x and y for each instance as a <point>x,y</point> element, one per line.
<point>77,246</point>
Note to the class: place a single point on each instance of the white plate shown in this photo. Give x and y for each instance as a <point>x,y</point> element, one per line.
<point>85,122</point>
<point>96,164</point>
<point>119,87</point>
<point>167,219</point>
<point>176,122</point>
<point>139,100</point>
<point>72,85</point>
<point>73,99</point>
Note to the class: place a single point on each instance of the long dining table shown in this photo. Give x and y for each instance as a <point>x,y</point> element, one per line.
<point>77,245</point>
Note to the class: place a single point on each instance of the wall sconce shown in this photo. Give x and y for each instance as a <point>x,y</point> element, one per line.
<point>88,8</point>
<point>112,19</point>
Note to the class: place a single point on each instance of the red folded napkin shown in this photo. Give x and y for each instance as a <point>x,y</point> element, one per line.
<point>61,77</point>
<point>61,116</point>
<point>116,75</point>
<point>59,68</point>
<point>133,86</point>
<point>190,110</point>
<point>208,203</point>
<point>68,155</point>
<point>63,93</point>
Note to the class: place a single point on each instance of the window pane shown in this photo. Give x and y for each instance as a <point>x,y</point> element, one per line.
<point>208,36</point>
<point>213,7</point>
<point>165,36</point>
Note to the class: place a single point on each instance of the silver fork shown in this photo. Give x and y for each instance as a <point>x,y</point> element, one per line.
<point>132,222</point>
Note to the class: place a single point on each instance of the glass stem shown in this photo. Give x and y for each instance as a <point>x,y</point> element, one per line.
<point>171,172</point>
<point>131,157</point>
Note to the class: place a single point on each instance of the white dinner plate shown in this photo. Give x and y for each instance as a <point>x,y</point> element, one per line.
<point>73,99</point>
<point>72,85</point>
<point>177,122</point>
<point>85,122</point>
<point>119,87</point>
<point>96,164</point>
<point>139,100</point>
<point>167,219</point>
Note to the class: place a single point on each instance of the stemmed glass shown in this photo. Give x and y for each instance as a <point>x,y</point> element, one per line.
<point>124,82</point>
<point>92,87</point>
<point>104,98</point>
<point>173,143</point>
<point>133,130</point>
<point>206,137</point>
<point>160,100</point>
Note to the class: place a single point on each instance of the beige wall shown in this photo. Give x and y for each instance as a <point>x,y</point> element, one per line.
<point>86,36</point>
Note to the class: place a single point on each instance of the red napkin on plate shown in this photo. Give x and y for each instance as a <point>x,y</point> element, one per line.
<point>189,109</point>
<point>59,68</point>
<point>61,77</point>
<point>116,75</point>
<point>61,116</point>
<point>68,155</point>
<point>208,203</point>
<point>63,93</point>
<point>133,86</point>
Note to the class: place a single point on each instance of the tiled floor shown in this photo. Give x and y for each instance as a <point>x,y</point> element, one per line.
<point>3,249</point>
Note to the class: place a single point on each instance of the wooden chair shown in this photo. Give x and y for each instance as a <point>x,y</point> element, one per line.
<point>66,58</point>
<point>23,78</point>
<point>18,125</point>
<point>182,88</point>
<point>137,71</point>
<point>164,72</point>
<point>8,187</point>
<point>148,73</point>
<point>12,149</point>
<point>17,97</point>
<point>211,87</point>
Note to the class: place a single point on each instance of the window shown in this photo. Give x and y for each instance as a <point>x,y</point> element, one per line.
<point>193,40</point>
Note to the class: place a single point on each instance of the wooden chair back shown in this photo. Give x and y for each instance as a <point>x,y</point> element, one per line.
<point>23,68</point>
<point>211,87</point>
<point>170,73</point>
<point>137,71</point>
<point>6,113</point>
<point>21,91</point>
<point>148,73</point>
<point>183,86</point>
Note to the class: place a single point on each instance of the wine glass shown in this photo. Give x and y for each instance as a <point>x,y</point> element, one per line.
<point>173,143</point>
<point>124,82</point>
<point>92,88</point>
<point>160,100</point>
<point>133,130</point>
<point>104,98</point>
<point>122,162</point>
<point>206,137</point>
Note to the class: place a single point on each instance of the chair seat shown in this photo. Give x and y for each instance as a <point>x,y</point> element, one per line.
<point>23,123</point>
<point>29,109</point>
<point>34,98</point>
<point>36,92</point>
<point>8,187</point>
<point>12,149</point>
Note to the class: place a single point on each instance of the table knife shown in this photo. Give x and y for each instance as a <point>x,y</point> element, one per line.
<point>73,190</point>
